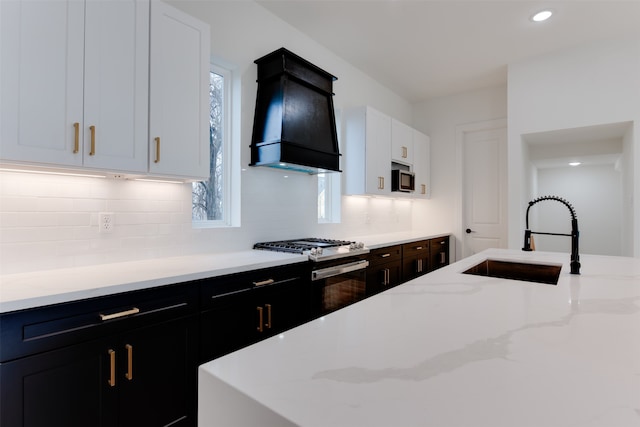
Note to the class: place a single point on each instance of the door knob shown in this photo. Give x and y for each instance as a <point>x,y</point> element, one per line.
<point>469,231</point>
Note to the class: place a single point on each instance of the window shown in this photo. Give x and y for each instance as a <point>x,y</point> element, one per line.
<point>211,199</point>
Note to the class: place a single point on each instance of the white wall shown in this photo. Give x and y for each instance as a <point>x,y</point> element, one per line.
<point>595,191</point>
<point>438,118</point>
<point>588,85</point>
<point>51,221</point>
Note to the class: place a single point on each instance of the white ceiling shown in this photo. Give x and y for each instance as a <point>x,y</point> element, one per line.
<point>422,49</point>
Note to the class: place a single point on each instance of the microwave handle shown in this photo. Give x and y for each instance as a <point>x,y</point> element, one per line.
<point>324,273</point>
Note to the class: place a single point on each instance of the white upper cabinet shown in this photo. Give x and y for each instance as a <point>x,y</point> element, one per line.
<point>116,85</point>
<point>401,143</point>
<point>74,83</point>
<point>373,141</point>
<point>41,69</point>
<point>421,165</point>
<point>179,94</point>
<point>367,149</point>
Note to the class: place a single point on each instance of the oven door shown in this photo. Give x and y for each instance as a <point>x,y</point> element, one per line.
<point>339,285</point>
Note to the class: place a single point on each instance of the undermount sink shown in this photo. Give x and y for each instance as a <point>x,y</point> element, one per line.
<point>528,272</point>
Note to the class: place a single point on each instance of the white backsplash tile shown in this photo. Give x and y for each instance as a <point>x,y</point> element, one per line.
<point>51,221</point>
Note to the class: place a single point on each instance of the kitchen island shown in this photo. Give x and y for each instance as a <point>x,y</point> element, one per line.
<point>450,349</point>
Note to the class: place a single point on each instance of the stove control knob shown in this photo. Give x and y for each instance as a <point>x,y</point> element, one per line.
<point>313,251</point>
<point>318,251</point>
<point>353,246</point>
<point>360,245</point>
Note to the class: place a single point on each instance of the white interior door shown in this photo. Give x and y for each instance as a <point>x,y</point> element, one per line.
<point>484,193</point>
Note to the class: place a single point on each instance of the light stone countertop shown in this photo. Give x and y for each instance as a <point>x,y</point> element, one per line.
<point>39,288</point>
<point>450,349</point>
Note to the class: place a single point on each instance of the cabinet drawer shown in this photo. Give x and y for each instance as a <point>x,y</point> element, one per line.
<point>419,248</point>
<point>384,255</point>
<point>36,330</point>
<point>214,288</point>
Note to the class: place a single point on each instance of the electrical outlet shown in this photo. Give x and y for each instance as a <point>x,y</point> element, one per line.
<point>105,222</point>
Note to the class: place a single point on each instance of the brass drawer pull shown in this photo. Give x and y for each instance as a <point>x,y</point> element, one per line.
<point>264,282</point>
<point>76,138</point>
<point>268,324</point>
<point>424,188</point>
<point>157,159</point>
<point>386,277</point>
<point>381,183</point>
<point>129,374</point>
<point>385,255</point>
<point>104,317</point>
<point>404,152</point>
<point>418,248</point>
<point>260,319</point>
<point>93,140</point>
<point>112,369</point>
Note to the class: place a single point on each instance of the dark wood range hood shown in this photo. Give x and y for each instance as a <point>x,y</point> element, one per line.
<point>294,126</point>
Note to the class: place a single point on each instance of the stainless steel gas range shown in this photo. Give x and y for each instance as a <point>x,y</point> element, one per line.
<point>338,272</point>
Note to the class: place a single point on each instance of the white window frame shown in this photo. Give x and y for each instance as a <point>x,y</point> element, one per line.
<point>333,190</point>
<point>230,174</point>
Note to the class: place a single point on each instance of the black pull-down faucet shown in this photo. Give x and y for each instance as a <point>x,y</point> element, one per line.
<point>575,258</point>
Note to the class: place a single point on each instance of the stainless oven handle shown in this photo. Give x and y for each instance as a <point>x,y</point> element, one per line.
<point>338,269</point>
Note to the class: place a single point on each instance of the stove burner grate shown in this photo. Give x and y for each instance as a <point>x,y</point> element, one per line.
<point>300,245</point>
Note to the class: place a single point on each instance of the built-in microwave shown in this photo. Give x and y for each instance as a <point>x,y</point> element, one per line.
<point>403,180</point>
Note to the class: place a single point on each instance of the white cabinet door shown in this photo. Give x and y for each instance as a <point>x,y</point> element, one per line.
<point>116,85</point>
<point>41,68</point>
<point>367,148</point>
<point>179,94</point>
<point>401,143</point>
<point>421,165</point>
<point>75,83</point>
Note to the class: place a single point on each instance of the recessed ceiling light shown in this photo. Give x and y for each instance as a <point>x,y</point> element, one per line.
<point>542,16</point>
<point>574,164</point>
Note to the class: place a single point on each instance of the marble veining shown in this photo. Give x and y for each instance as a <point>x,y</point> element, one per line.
<point>484,349</point>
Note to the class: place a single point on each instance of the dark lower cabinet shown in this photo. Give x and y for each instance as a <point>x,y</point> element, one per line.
<point>439,252</point>
<point>138,370</point>
<point>415,259</point>
<point>385,269</point>
<point>242,309</point>
<point>161,387</point>
<point>58,388</point>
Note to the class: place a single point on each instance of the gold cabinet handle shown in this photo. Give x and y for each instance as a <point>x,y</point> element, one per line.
<point>92,152</point>
<point>381,183</point>
<point>424,188</point>
<point>443,257</point>
<point>157,140</point>
<point>112,369</point>
<point>264,282</point>
<point>268,324</point>
<point>419,266</point>
<point>260,319</point>
<point>404,152</point>
<point>385,255</point>
<point>129,374</point>
<point>134,310</point>
<point>418,248</point>
<point>76,137</point>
